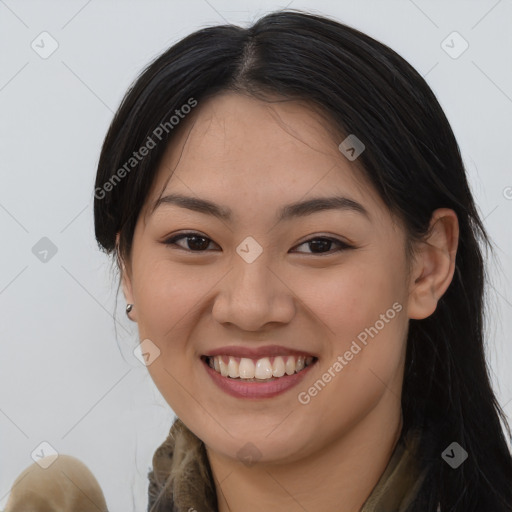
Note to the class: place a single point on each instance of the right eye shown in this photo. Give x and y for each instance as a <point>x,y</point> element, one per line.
<point>195,241</point>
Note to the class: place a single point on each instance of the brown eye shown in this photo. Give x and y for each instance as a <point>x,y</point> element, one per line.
<point>321,245</point>
<point>195,241</point>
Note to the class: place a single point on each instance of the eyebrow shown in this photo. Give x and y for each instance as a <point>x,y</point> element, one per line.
<point>287,212</point>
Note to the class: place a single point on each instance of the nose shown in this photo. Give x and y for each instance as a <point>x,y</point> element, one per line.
<point>252,295</point>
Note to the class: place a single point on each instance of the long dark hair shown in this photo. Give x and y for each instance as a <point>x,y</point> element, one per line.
<point>413,161</point>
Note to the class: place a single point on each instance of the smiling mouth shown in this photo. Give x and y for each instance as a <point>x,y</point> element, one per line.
<point>265,369</point>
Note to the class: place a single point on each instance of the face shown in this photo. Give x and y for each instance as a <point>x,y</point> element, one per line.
<point>327,286</point>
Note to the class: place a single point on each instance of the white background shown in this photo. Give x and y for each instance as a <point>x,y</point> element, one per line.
<point>65,377</point>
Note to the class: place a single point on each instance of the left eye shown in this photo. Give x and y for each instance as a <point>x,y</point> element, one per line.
<point>319,243</point>
<point>198,243</point>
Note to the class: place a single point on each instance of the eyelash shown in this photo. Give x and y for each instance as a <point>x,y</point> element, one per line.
<point>342,245</point>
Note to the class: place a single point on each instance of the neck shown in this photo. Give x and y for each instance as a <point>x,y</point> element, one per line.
<point>343,472</point>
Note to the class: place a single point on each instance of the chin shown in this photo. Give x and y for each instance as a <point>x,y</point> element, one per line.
<point>252,445</point>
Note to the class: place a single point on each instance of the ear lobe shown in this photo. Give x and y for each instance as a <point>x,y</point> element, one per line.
<point>434,264</point>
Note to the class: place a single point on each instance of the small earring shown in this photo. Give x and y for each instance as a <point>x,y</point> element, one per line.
<point>129,307</point>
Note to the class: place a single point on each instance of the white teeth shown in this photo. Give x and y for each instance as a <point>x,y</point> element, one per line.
<point>290,365</point>
<point>262,369</point>
<point>246,368</point>
<point>223,367</point>
<point>278,367</point>
<point>233,368</point>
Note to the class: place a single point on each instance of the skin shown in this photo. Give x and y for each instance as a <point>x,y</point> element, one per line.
<point>254,157</point>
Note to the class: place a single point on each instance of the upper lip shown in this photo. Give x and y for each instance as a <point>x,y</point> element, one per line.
<point>256,353</point>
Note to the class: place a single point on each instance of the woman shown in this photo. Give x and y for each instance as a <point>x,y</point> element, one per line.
<point>299,247</point>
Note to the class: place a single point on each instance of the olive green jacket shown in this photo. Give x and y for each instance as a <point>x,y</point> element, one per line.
<point>181,479</point>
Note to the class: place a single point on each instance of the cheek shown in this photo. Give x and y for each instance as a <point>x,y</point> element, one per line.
<point>168,297</point>
<point>362,306</point>
<point>166,294</point>
<point>351,297</point>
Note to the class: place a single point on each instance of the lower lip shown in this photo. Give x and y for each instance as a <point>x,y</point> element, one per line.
<point>256,390</point>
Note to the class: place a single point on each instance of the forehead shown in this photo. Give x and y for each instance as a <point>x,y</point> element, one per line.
<point>237,149</point>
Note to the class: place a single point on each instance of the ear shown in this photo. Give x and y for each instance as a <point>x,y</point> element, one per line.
<point>126,281</point>
<point>434,264</point>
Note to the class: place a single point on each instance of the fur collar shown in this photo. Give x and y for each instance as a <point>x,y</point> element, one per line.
<point>181,478</point>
